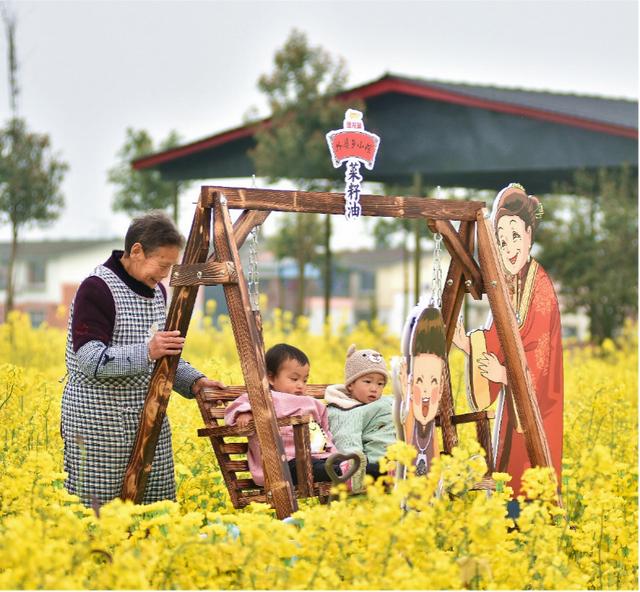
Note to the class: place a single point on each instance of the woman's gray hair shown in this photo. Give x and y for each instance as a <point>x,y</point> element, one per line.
<point>152,230</point>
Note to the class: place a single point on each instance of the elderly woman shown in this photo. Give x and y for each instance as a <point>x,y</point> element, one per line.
<point>515,218</point>
<point>116,334</point>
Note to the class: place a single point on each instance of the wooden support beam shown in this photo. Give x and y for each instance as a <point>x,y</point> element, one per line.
<point>483,435</point>
<point>452,295</point>
<point>278,486</point>
<point>232,392</point>
<point>447,411</point>
<point>474,416</point>
<point>210,273</point>
<point>333,203</point>
<point>160,386</point>
<point>454,289</point>
<point>246,222</point>
<point>250,428</point>
<point>220,449</point>
<point>518,375</point>
<point>457,249</point>
<point>304,474</point>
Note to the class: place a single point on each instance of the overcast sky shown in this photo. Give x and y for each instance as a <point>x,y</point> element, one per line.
<point>88,70</point>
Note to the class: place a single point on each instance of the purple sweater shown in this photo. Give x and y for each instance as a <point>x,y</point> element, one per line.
<point>94,311</point>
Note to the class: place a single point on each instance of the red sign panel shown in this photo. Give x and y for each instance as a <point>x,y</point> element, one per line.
<point>345,144</point>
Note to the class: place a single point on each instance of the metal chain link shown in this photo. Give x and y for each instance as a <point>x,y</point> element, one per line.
<point>253,280</point>
<point>254,276</point>
<point>436,274</point>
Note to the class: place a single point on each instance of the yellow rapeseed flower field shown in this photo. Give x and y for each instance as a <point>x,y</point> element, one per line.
<point>409,539</point>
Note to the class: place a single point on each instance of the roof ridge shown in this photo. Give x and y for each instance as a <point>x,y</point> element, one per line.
<point>420,80</point>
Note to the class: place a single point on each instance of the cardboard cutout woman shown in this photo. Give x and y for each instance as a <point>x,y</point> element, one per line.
<point>515,218</point>
<point>420,389</point>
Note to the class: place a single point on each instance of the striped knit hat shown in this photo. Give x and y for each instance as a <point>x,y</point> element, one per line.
<point>363,361</point>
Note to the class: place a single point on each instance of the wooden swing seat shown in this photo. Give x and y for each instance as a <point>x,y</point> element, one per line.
<point>231,442</point>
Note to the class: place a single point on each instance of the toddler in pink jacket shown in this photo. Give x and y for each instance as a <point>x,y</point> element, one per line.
<point>287,371</point>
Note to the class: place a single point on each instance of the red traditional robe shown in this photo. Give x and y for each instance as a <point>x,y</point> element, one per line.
<point>536,304</point>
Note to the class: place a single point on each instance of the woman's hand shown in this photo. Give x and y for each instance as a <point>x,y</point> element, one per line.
<point>492,369</point>
<point>204,382</point>
<point>460,338</point>
<point>243,419</point>
<point>165,343</point>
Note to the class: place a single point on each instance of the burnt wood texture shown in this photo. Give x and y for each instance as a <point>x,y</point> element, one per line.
<point>204,274</point>
<point>452,295</point>
<point>333,203</point>
<point>454,286</point>
<point>157,399</point>
<point>224,267</point>
<point>458,251</point>
<point>242,489</point>
<point>279,489</point>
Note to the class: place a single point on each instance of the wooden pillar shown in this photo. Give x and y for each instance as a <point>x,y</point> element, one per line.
<point>518,375</point>
<point>301,439</point>
<point>452,295</point>
<point>454,286</point>
<point>483,435</point>
<point>278,485</point>
<point>161,384</point>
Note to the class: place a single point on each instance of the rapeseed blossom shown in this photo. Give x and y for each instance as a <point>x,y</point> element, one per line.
<point>426,533</point>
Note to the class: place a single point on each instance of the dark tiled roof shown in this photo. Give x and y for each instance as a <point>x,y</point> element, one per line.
<point>605,109</point>
<point>609,116</point>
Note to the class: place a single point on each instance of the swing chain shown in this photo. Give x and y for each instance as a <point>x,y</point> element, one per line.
<point>254,278</point>
<point>436,277</point>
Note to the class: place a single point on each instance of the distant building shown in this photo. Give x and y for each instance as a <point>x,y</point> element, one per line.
<point>383,285</point>
<point>365,285</point>
<point>389,290</point>
<point>48,273</point>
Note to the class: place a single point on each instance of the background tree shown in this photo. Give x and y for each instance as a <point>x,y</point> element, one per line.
<point>291,145</point>
<point>589,240</point>
<point>140,191</point>
<point>30,180</point>
<point>30,174</point>
<point>391,232</point>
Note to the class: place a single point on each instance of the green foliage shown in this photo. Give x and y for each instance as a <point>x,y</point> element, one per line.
<point>589,238</point>
<point>30,180</point>
<point>291,145</point>
<point>30,176</point>
<point>140,191</point>
<point>301,93</point>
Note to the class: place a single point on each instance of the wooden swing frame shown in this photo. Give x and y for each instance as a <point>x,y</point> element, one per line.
<point>223,267</point>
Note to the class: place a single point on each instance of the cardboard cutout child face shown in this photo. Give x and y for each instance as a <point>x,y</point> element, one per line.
<point>514,240</point>
<point>426,387</point>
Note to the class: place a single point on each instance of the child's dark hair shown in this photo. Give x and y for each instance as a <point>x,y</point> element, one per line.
<point>280,353</point>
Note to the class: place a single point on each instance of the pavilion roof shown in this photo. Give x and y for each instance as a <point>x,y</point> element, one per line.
<point>454,134</point>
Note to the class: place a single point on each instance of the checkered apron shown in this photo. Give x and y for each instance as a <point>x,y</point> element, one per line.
<point>100,415</point>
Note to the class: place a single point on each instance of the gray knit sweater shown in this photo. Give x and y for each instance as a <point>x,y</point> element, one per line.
<point>358,427</point>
